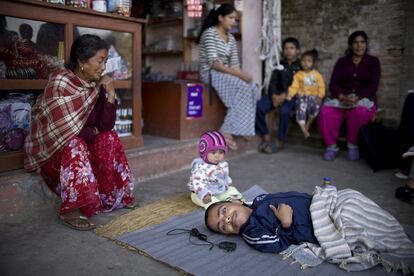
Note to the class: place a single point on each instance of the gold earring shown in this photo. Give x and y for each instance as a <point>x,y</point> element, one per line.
<point>82,69</point>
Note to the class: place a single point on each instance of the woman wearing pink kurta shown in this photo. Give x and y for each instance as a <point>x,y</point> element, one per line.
<point>353,88</point>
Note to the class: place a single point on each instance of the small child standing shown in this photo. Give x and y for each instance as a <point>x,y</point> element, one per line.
<point>210,181</point>
<point>309,87</point>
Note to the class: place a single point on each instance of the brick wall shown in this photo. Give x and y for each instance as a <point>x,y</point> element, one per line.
<point>326,24</point>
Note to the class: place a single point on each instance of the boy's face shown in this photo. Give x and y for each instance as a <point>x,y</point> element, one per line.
<point>290,52</point>
<point>227,218</point>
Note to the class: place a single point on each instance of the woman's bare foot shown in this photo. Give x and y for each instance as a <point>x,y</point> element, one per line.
<point>77,221</point>
<point>231,143</point>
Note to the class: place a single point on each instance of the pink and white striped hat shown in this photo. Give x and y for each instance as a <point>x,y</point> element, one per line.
<point>210,141</point>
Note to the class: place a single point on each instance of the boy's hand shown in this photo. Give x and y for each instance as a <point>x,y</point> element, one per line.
<point>284,213</point>
<point>277,100</point>
<point>207,198</point>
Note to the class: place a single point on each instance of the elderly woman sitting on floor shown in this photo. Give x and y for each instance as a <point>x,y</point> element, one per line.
<point>71,142</point>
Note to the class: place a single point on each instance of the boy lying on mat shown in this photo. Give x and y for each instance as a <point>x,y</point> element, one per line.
<point>342,227</point>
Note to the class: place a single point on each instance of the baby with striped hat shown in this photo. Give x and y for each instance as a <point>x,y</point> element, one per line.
<point>210,181</point>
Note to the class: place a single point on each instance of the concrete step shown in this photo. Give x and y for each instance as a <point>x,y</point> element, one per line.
<point>20,190</point>
<point>161,156</point>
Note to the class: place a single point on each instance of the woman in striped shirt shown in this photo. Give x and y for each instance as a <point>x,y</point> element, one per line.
<point>219,62</point>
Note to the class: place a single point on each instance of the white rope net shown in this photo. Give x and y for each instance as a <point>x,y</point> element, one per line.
<point>270,42</point>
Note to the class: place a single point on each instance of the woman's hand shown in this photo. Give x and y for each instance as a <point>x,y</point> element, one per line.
<point>284,213</point>
<point>352,99</point>
<point>349,100</point>
<point>108,83</point>
<point>341,98</point>
<point>233,71</point>
<point>242,75</point>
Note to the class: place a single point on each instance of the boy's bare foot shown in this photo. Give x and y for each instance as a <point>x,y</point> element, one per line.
<point>280,144</point>
<point>268,147</point>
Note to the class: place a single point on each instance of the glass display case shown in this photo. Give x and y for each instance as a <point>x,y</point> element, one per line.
<point>119,67</point>
<point>171,47</point>
<point>30,49</point>
<point>35,40</point>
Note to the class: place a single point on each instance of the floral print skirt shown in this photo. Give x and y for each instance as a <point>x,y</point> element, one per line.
<point>93,178</point>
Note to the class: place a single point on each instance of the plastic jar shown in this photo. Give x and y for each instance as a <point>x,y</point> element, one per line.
<point>123,7</point>
<point>77,3</point>
<point>99,5</point>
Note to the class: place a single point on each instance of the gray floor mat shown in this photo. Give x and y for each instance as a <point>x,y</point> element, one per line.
<point>178,252</point>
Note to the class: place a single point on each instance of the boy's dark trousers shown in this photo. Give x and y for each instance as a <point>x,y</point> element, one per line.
<point>264,106</point>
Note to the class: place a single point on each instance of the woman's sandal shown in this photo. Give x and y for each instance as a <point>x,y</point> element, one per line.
<point>132,206</point>
<point>268,147</point>
<point>76,222</point>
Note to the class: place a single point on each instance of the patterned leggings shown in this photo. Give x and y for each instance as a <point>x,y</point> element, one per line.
<point>92,178</point>
<point>306,106</point>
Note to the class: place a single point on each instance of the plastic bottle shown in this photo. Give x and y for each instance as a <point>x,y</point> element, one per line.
<point>110,4</point>
<point>327,181</point>
<point>56,1</point>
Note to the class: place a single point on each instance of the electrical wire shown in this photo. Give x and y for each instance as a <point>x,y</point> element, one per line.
<point>225,245</point>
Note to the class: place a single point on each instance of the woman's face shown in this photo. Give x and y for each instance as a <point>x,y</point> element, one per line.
<point>228,21</point>
<point>95,66</point>
<point>359,46</point>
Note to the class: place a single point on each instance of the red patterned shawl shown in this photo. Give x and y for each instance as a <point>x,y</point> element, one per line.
<point>59,114</point>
